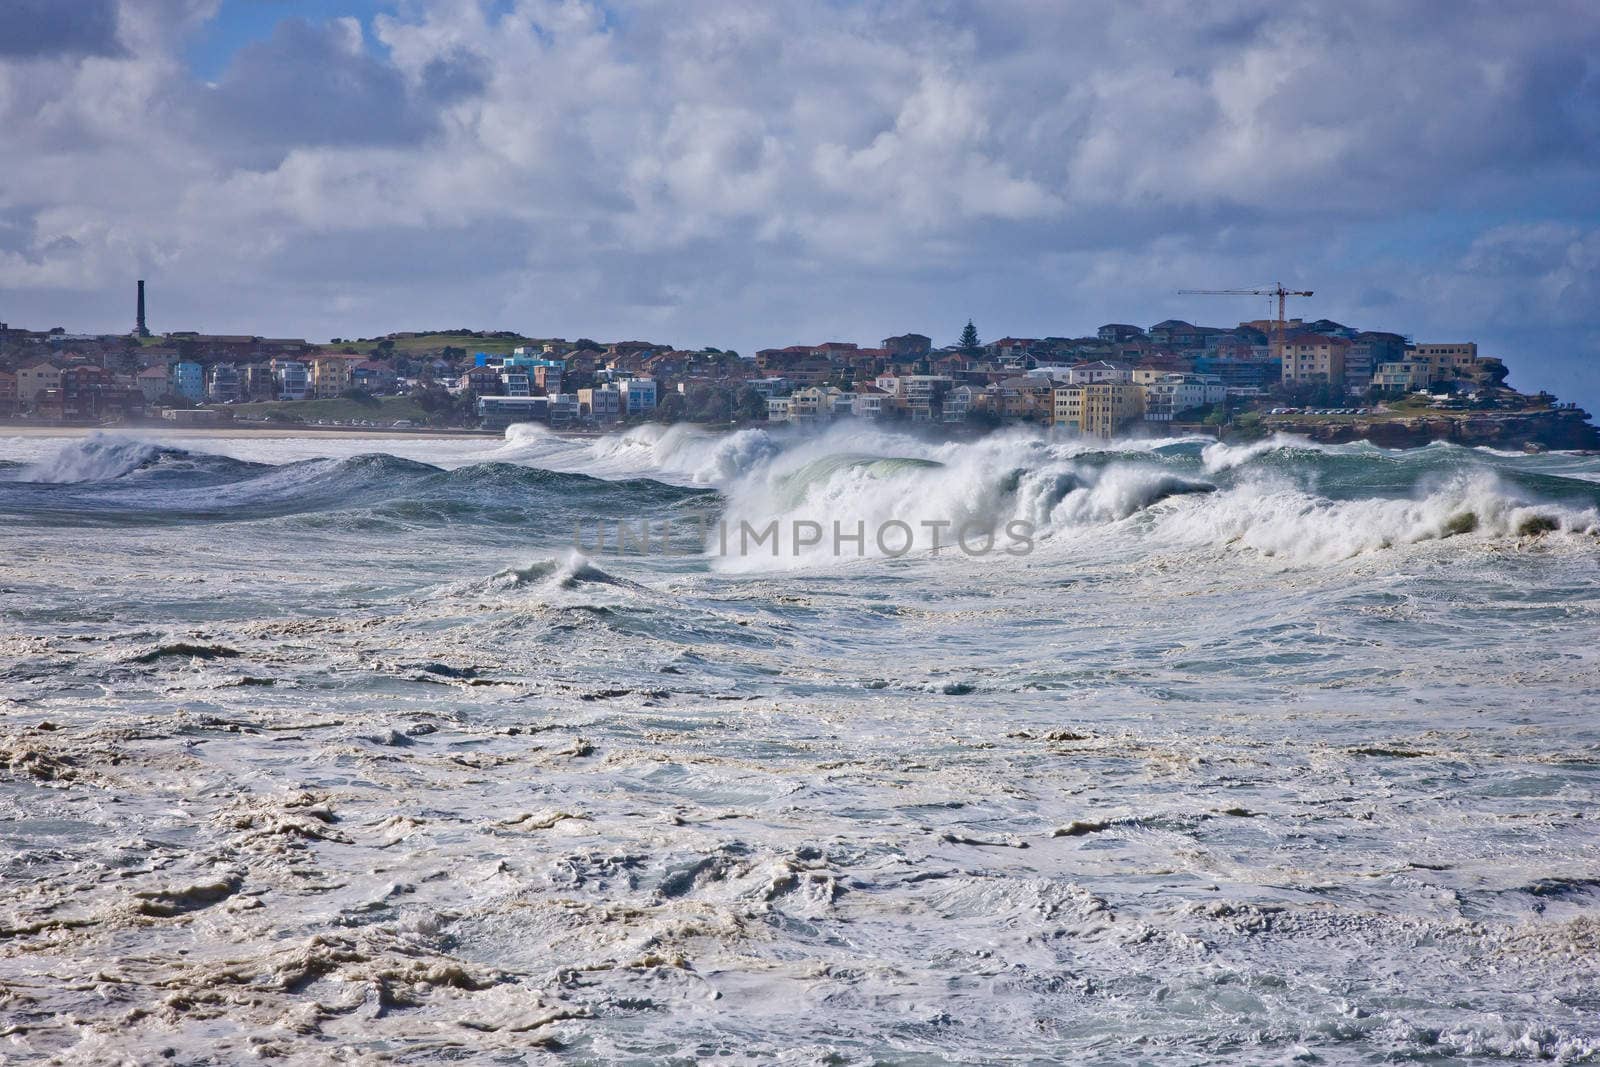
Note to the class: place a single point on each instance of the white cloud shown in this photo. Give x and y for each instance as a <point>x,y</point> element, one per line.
<point>751,173</point>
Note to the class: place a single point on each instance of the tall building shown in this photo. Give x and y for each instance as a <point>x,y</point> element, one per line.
<point>187,379</point>
<point>1448,361</point>
<point>1314,359</point>
<point>293,378</point>
<point>330,376</point>
<point>222,382</point>
<point>1097,409</point>
<point>639,395</point>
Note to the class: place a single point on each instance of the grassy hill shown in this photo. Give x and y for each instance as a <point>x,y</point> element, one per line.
<point>490,342</point>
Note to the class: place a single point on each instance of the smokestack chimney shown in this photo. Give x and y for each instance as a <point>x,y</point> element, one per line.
<point>139,327</point>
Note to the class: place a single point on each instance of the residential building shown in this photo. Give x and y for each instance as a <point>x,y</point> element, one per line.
<point>770,387</point>
<point>601,405</point>
<point>373,376</point>
<point>958,403</point>
<point>8,393</point>
<point>907,346</point>
<point>330,376</point>
<point>1246,376</point>
<point>1011,350</point>
<point>481,380</point>
<point>498,412</point>
<point>1367,350</point>
<point>1023,398</point>
<point>1406,376</point>
<point>1109,407</point>
<point>1314,359</point>
<point>1175,333</point>
<point>222,382</point>
<point>780,408</point>
<point>812,403</point>
<point>187,379</point>
<point>638,395</point>
<point>514,381</point>
<point>1066,409</point>
<point>31,381</point>
<point>153,383</point>
<point>89,393</point>
<point>869,402</point>
<point>562,411</point>
<point>1448,361</point>
<point>1118,332</point>
<point>1100,370</point>
<point>1173,394</point>
<point>923,395</point>
<point>1329,328</point>
<point>257,382</point>
<point>293,379</point>
<point>544,375</point>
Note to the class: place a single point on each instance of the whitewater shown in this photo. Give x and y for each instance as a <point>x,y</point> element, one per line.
<point>346,749</point>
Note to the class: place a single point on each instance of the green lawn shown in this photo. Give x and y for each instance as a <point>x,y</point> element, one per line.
<point>433,342</point>
<point>383,411</point>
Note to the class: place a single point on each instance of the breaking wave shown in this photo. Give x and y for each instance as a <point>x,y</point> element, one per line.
<point>97,458</point>
<point>1284,498</point>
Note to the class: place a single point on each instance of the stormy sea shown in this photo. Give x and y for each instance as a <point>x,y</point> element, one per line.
<point>369,750</point>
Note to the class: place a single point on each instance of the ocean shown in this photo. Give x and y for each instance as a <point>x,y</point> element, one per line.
<point>847,746</point>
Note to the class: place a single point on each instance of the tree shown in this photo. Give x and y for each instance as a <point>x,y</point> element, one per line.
<point>969,340</point>
<point>433,399</point>
<point>670,408</point>
<point>751,405</point>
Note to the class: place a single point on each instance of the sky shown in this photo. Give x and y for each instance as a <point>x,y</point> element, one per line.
<point>748,174</point>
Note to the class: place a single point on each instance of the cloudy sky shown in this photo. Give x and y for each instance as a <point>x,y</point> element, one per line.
<point>745,173</point>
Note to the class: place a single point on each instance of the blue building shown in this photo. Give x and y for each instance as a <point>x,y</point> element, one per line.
<point>187,380</point>
<point>639,395</point>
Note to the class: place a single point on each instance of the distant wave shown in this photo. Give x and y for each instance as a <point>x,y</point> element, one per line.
<point>98,457</point>
<point>108,479</point>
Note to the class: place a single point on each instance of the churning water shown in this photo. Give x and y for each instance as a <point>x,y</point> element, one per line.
<point>335,749</point>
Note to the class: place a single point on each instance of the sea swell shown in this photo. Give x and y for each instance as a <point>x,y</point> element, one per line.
<point>1282,498</point>
<point>108,480</point>
<point>311,756</point>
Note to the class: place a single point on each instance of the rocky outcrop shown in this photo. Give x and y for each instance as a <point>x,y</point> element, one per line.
<point>1567,428</point>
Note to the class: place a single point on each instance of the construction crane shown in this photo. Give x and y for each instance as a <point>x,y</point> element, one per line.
<point>1277,290</point>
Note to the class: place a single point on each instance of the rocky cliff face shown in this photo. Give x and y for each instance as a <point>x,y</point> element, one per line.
<point>1548,429</point>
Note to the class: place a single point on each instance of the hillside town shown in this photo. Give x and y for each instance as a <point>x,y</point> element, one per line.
<point>1122,380</point>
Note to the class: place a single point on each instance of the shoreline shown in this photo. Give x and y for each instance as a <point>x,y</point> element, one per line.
<point>231,430</point>
<point>1560,430</point>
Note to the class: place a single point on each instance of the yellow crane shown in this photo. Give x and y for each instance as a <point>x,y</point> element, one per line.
<point>1277,290</point>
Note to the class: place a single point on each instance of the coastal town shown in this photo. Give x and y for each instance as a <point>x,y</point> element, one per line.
<point>1321,377</point>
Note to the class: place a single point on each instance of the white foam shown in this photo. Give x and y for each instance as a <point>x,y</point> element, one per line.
<point>96,458</point>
